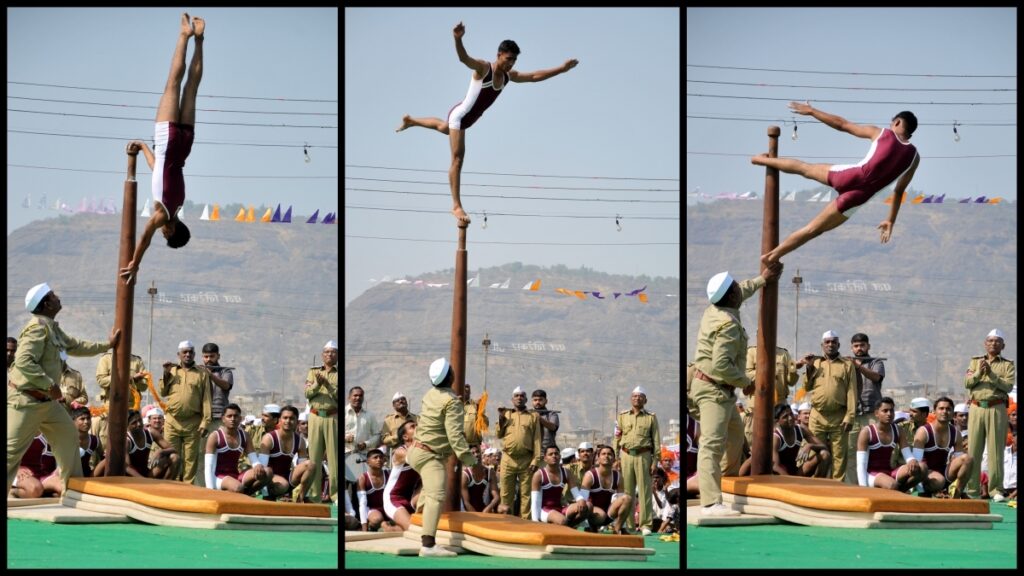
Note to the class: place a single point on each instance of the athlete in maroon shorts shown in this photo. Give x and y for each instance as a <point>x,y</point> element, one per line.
<point>173,136</point>
<point>488,81</point>
<point>890,158</point>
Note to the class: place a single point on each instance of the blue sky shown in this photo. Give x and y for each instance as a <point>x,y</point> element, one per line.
<point>979,41</point>
<point>615,115</point>
<point>274,54</point>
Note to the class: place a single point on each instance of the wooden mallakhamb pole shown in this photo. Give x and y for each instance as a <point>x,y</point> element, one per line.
<point>457,358</point>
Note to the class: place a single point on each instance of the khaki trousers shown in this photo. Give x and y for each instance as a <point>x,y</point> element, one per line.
<point>829,429</point>
<point>720,427</point>
<point>636,479</point>
<point>986,428</point>
<point>26,418</point>
<point>323,441</point>
<point>184,436</point>
<point>431,469</point>
<point>514,475</point>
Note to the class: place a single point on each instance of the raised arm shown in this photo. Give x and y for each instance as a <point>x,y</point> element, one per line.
<point>541,75</point>
<point>137,145</point>
<point>478,66</point>
<point>158,219</point>
<point>838,122</point>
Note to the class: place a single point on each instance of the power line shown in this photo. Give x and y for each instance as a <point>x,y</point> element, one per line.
<point>510,174</point>
<point>766,85</point>
<point>150,107</point>
<point>852,73</point>
<point>853,157</point>
<point>854,101</point>
<point>148,92</point>
<point>190,175</point>
<point>519,243</point>
<point>625,217</point>
<point>585,188</point>
<point>126,138</point>
<point>150,120</point>
<point>512,197</point>
<point>787,122</point>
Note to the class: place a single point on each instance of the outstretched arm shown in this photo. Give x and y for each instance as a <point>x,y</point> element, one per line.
<point>158,219</point>
<point>837,122</point>
<point>478,66</point>
<point>541,75</point>
<point>897,200</point>
<point>137,145</point>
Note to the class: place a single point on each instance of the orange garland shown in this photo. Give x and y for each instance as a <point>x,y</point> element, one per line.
<point>136,398</point>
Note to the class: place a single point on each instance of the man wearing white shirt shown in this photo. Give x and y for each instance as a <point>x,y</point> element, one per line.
<point>362,432</point>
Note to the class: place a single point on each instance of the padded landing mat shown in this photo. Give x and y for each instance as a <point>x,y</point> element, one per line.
<point>169,495</point>
<point>511,530</point>
<point>19,502</point>
<point>455,541</point>
<point>695,518</point>
<point>833,495</point>
<point>60,514</point>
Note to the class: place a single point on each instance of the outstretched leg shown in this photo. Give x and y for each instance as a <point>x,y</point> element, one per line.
<point>167,111</point>
<point>458,140</point>
<point>195,74</point>
<point>432,123</point>
<point>816,172</point>
<point>828,219</point>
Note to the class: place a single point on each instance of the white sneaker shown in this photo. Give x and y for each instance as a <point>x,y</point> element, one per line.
<point>437,551</point>
<point>645,531</point>
<point>998,497</point>
<point>719,510</point>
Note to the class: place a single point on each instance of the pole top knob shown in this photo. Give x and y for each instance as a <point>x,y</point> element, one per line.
<point>774,131</point>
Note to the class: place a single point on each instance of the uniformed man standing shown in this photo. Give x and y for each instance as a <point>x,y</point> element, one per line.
<point>519,433</point>
<point>185,389</point>
<point>103,370</point>
<point>439,433</point>
<point>33,386</point>
<point>831,382</point>
<point>989,379</point>
<point>472,409</point>
<point>322,394</point>
<point>637,441</point>
<point>71,386</point>
<point>719,368</point>
<point>393,422</point>
<point>786,377</point>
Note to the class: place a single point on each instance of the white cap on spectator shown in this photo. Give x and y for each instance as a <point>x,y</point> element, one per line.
<point>900,417</point>
<point>828,335</point>
<point>186,345</point>
<point>518,390</point>
<point>397,396</point>
<point>960,409</point>
<point>585,446</point>
<point>919,403</point>
<point>997,333</point>
<point>271,409</point>
<point>491,450</point>
<point>639,390</point>
<point>303,416</point>
<point>568,453</point>
<point>805,406</point>
<point>331,345</point>
<point>35,295</point>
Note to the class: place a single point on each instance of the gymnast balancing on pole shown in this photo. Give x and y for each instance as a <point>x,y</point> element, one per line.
<point>174,133</point>
<point>890,158</point>
<point>487,83</point>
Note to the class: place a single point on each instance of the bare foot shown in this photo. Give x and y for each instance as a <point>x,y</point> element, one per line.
<point>758,159</point>
<point>460,214</point>
<point>199,25</point>
<point>406,122</point>
<point>186,26</point>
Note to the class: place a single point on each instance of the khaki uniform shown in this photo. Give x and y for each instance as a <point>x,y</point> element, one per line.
<point>37,367</point>
<point>72,388</point>
<point>392,422</point>
<point>988,421</point>
<point>691,370</point>
<point>720,355</point>
<point>440,430</point>
<point>833,395</point>
<point>786,377</point>
<point>103,370</point>
<point>469,424</point>
<point>322,393</point>
<point>520,446</point>
<point>636,442</point>
<point>189,410</point>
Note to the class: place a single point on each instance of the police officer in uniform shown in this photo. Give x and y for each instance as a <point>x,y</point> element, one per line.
<point>786,377</point>
<point>519,432</point>
<point>989,379</point>
<point>103,370</point>
<point>185,388</point>
<point>33,388</point>
<point>322,394</point>
<point>720,368</point>
<point>472,409</point>
<point>393,422</point>
<point>831,382</point>
<point>636,442</point>
<point>71,386</point>
<point>439,433</point>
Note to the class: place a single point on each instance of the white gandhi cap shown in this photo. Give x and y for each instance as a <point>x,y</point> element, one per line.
<point>271,409</point>
<point>331,345</point>
<point>960,409</point>
<point>35,295</point>
<point>397,396</point>
<point>186,345</point>
<point>997,333</point>
<point>900,416</point>
<point>805,406</point>
<point>918,403</point>
<point>303,416</point>
<point>639,390</point>
<point>828,335</point>
<point>718,286</point>
<point>518,390</point>
<point>586,446</point>
<point>568,453</point>
<point>439,370</point>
